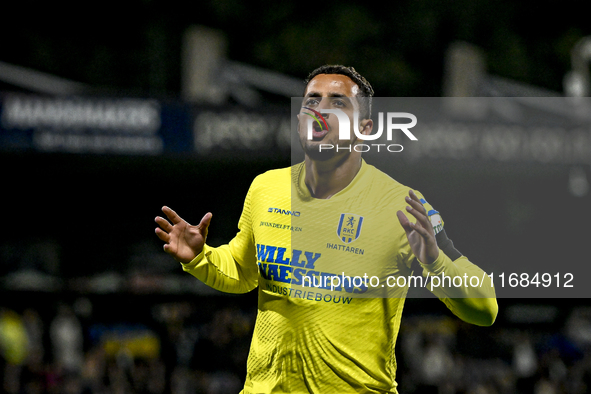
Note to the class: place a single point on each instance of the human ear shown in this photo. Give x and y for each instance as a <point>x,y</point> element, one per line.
<point>366,126</point>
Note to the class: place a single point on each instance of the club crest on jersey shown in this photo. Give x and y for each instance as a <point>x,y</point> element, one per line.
<point>349,227</point>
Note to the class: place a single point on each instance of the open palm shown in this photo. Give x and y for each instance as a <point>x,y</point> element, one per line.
<point>183,241</point>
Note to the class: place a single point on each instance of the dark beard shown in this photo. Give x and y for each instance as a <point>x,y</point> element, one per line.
<point>312,148</point>
<point>314,153</point>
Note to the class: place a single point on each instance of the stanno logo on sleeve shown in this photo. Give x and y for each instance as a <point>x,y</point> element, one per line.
<point>349,227</point>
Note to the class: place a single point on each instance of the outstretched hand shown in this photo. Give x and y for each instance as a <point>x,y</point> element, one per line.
<point>421,236</point>
<point>182,240</point>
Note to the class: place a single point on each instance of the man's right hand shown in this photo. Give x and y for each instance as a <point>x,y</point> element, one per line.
<point>183,241</point>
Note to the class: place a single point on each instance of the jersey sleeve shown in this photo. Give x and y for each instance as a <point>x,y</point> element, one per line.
<point>231,268</point>
<point>463,287</point>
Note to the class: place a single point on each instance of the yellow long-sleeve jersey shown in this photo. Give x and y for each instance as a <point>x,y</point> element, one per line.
<point>330,304</point>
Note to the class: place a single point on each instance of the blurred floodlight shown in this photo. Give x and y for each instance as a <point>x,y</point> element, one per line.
<point>578,185</point>
<point>203,53</point>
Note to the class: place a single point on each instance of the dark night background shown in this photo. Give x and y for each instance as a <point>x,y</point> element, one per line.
<point>77,216</point>
<point>134,46</point>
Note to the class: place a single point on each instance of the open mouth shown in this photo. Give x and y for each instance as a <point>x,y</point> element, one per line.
<point>318,132</point>
<point>319,127</point>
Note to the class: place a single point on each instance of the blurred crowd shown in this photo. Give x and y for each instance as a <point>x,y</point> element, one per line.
<point>201,346</point>
<point>172,351</point>
<point>444,355</point>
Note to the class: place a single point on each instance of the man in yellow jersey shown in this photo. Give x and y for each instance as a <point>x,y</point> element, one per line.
<point>302,228</point>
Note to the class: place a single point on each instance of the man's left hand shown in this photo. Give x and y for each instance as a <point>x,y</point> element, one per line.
<point>421,236</point>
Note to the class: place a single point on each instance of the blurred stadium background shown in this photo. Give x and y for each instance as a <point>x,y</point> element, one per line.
<point>110,112</point>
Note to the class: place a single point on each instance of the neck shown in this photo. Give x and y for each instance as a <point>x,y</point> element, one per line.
<point>325,179</point>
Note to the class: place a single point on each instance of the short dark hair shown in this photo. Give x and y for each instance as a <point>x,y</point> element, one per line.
<point>365,88</point>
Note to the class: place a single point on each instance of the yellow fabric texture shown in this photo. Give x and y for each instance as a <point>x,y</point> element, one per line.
<point>310,335</point>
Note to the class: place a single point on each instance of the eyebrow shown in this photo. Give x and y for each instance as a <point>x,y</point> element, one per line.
<point>316,94</point>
